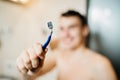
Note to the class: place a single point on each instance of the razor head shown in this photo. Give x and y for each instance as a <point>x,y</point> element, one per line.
<point>50,25</point>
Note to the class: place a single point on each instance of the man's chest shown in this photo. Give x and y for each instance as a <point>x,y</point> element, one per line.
<point>75,69</point>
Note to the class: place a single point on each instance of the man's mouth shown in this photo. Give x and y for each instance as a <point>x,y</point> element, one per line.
<point>68,40</point>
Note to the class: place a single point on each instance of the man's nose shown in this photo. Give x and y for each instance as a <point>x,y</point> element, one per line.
<point>66,33</point>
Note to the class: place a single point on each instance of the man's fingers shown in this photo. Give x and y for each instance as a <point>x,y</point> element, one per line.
<point>21,66</point>
<point>33,58</point>
<point>39,51</point>
<point>43,53</point>
<point>26,59</point>
<point>46,50</point>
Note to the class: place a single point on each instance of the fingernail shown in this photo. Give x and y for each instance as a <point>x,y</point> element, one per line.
<point>37,50</point>
<point>29,66</point>
<point>35,63</point>
<point>46,50</point>
<point>41,57</point>
<point>25,71</point>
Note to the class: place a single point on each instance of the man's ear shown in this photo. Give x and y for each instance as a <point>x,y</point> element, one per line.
<point>85,31</point>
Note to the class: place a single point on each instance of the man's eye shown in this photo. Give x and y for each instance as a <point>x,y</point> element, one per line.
<point>61,28</point>
<point>71,27</point>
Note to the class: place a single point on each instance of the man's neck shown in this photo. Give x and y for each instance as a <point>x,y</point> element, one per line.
<point>81,49</point>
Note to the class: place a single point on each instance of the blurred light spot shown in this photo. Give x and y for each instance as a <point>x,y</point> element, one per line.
<point>96,14</point>
<point>107,12</point>
<point>20,1</point>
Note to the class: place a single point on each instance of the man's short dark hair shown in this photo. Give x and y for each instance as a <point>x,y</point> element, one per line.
<point>70,13</point>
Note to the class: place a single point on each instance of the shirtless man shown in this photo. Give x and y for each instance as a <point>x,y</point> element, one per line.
<point>73,59</point>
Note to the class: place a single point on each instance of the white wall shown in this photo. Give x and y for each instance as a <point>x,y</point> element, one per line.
<point>21,26</point>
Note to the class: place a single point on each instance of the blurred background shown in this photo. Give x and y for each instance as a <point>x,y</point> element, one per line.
<point>23,22</point>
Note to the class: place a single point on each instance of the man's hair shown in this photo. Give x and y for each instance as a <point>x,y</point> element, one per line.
<point>70,13</point>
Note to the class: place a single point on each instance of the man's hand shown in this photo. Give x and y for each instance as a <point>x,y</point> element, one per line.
<point>31,60</point>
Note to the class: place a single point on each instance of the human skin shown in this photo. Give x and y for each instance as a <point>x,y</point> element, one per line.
<point>74,60</point>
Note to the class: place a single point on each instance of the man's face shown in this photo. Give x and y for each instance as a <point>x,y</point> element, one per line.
<point>71,32</point>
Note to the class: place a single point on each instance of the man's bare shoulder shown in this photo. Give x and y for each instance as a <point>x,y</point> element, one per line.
<point>99,59</point>
<point>102,65</point>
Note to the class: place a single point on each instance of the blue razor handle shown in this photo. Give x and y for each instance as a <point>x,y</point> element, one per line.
<point>50,26</point>
<point>47,41</point>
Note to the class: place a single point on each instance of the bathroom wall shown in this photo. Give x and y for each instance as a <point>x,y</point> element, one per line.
<point>23,25</point>
<point>104,22</point>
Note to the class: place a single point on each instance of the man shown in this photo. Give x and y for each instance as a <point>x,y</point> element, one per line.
<point>72,58</point>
